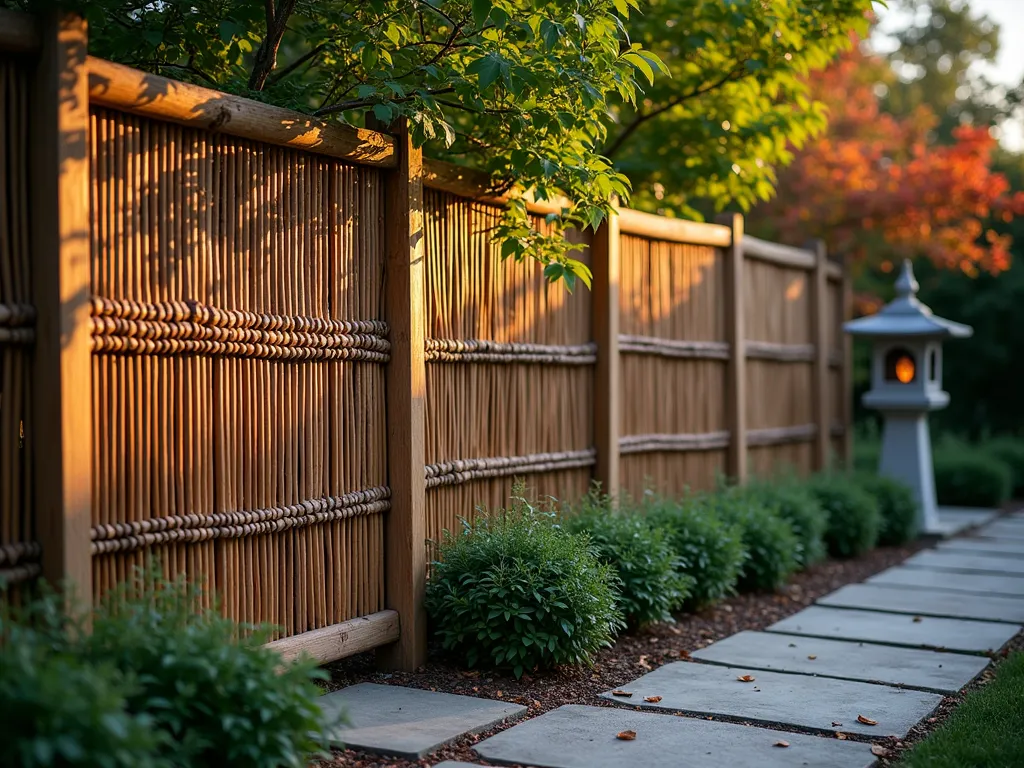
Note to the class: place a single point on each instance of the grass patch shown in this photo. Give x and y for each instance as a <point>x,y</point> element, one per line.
<point>986,731</point>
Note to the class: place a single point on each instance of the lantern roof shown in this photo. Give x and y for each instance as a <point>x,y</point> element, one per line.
<point>906,315</point>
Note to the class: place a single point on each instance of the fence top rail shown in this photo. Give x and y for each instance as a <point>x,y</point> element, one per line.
<point>19,32</point>
<point>783,255</point>
<point>141,93</point>
<point>475,185</point>
<point>675,230</point>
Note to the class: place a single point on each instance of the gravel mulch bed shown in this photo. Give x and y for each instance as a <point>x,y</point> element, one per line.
<point>632,655</point>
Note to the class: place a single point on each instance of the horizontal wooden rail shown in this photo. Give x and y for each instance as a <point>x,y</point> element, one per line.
<point>834,271</point>
<point>783,255</point>
<point>339,641</point>
<point>837,430</point>
<point>782,353</point>
<point>801,433</point>
<point>19,573</point>
<point>707,441</point>
<point>651,345</point>
<point>483,351</point>
<point>675,230</point>
<point>19,32</point>
<point>835,359</point>
<point>464,470</point>
<point>120,537</point>
<point>141,93</point>
<point>19,552</point>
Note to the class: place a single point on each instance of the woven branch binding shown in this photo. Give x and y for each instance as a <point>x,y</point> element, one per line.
<point>483,351</point>
<point>129,327</point>
<point>782,353</point>
<point>465,470</point>
<point>651,345</point>
<point>781,435</point>
<point>17,315</point>
<point>707,441</point>
<point>20,551</point>
<point>120,537</point>
<point>19,573</point>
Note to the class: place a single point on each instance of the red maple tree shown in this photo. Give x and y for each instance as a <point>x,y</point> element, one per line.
<point>877,188</point>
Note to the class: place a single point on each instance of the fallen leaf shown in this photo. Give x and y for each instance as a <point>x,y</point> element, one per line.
<point>866,720</point>
<point>626,735</point>
<point>746,678</point>
<point>684,655</point>
<point>643,663</point>
<point>792,645</point>
<point>879,751</point>
<point>499,694</point>
<point>781,744</point>
<point>841,736</point>
<point>536,703</point>
<point>917,619</point>
<point>812,657</point>
<point>652,699</point>
<point>835,724</point>
<point>627,694</point>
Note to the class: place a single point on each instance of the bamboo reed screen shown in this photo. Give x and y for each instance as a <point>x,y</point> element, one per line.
<point>237,378</point>
<point>673,356</point>
<point>509,370</point>
<point>780,392</point>
<point>19,550</point>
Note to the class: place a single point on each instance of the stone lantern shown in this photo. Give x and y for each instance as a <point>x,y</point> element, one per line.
<point>906,383</point>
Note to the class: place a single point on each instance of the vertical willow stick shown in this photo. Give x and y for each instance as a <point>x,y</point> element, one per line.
<point>60,245</point>
<point>405,560</point>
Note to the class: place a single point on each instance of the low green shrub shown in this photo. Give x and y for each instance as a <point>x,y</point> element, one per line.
<point>1010,451</point>
<point>709,549</point>
<point>795,504</point>
<point>773,549</point>
<point>158,680</point>
<point>896,505</point>
<point>516,591</point>
<point>853,517</point>
<point>650,584</point>
<point>969,477</point>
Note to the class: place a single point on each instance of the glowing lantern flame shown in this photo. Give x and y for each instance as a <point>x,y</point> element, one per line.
<point>905,370</point>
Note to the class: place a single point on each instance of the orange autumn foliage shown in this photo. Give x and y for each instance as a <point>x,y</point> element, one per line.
<point>878,189</point>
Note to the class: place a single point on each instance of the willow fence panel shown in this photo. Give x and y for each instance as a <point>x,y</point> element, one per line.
<point>284,356</point>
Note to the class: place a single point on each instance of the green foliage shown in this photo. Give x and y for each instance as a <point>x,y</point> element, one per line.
<point>853,516</point>
<point>157,680</point>
<point>895,504</point>
<point>773,549</point>
<point>650,584</point>
<point>1010,451</point>
<point>56,709</point>
<point>520,90</point>
<point>987,729</point>
<point>710,550</point>
<point>969,477</point>
<point>795,504</point>
<point>515,591</point>
<point>737,101</point>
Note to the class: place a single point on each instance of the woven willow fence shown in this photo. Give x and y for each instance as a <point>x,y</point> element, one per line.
<point>283,356</point>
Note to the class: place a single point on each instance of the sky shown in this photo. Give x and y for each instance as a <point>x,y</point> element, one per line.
<point>1009,66</point>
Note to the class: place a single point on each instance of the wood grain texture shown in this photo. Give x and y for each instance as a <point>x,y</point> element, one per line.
<point>338,641</point>
<point>61,428</point>
<point>606,255</point>
<point>735,337</point>
<point>131,90</point>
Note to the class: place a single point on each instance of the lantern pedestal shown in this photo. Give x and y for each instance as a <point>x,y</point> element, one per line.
<point>907,457</point>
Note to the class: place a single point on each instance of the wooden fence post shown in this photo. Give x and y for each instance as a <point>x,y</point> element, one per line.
<point>846,406</point>
<point>405,561</point>
<point>60,433</point>
<point>821,330</point>
<point>736,371</point>
<point>606,252</point>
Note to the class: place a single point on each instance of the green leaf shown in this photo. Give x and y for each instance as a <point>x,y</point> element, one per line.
<point>481,10</point>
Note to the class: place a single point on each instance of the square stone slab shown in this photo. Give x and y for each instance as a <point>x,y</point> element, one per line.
<point>1014,526</point>
<point>927,602</point>
<point>575,736</point>
<point>408,722</point>
<point>964,562</point>
<point>997,547</point>
<point>959,635</point>
<point>775,697</point>
<point>976,583</point>
<point>910,667</point>
<point>954,520</point>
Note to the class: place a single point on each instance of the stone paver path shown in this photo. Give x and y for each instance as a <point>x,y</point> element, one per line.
<point>959,635</point>
<point>998,547</point>
<point>585,737</point>
<point>927,602</point>
<point>911,667</point>
<point>974,583</point>
<point>963,562</point>
<point>409,722</point>
<point>775,697</point>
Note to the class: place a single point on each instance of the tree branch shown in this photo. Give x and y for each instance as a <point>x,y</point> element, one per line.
<point>283,73</point>
<point>344,106</point>
<point>266,55</point>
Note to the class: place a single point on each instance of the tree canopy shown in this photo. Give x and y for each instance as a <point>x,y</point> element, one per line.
<point>547,95</point>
